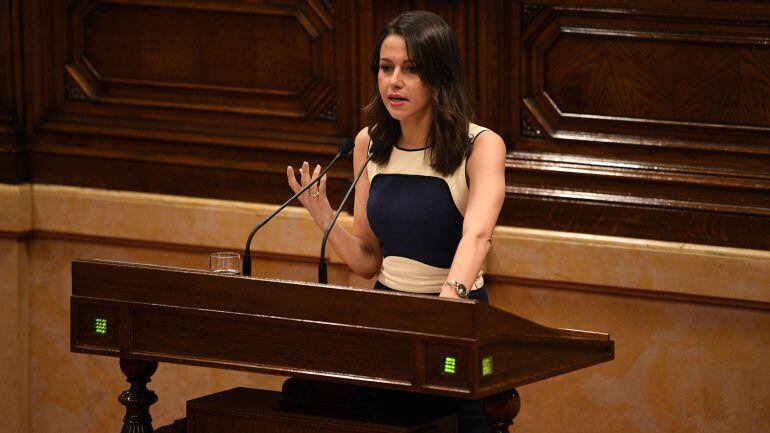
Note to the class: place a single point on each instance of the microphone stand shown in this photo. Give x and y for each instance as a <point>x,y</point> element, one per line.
<point>246,267</point>
<point>322,274</point>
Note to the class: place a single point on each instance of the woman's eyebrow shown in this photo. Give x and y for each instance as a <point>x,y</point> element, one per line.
<point>405,62</point>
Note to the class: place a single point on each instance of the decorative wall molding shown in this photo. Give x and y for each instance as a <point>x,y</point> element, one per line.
<point>330,112</point>
<point>529,12</point>
<point>73,91</point>
<point>263,64</point>
<point>529,126</point>
<point>330,4</point>
<point>604,73</point>
<point>625,140</point>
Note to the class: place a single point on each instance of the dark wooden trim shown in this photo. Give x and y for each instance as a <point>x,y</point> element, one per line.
<point>549,212</point>
<point>21,237</point>
<point>708,9</point>
<point>39,46</point>
<point>626,292</point>
<point>12,142</point>
<point>258,184</point>
<point>13,166</point>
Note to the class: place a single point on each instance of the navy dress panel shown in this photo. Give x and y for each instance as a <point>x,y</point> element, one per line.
<point>415,217</point>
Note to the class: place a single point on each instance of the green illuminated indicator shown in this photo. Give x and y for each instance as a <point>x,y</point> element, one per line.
<point>100,326</point>
<point>450,365</point>
<point>486,366</point>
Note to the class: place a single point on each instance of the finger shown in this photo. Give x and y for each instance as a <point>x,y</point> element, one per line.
<point>316,172</point>
<point>292,179</point>
<point>305,170</point>
<point>322,186</point>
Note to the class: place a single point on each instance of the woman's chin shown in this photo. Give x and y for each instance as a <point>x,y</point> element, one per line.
<point>397,115</point>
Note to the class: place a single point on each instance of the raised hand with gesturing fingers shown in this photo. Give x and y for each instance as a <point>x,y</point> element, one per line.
<point>314,199</point>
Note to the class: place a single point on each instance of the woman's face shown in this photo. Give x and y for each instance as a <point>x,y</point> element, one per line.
<point>401,88</point>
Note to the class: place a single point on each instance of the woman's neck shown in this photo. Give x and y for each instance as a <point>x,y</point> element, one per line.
<point>414,132</point>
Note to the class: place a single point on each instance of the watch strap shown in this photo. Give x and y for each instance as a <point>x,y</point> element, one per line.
<point>459,287</point>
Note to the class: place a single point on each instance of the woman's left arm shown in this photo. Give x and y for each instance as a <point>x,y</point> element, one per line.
<point>486,173</point>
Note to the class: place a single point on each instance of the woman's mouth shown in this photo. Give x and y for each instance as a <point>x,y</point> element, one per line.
<point>397,101</point>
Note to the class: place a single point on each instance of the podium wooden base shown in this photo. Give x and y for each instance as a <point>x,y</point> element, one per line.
<point>179,426</point>
<point>245,410</point>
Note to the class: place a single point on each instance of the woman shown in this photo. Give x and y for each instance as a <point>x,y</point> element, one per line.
<point>425,212</point>
<point>419,105</point>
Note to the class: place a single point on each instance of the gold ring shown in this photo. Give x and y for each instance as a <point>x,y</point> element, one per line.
<point>317,193</point>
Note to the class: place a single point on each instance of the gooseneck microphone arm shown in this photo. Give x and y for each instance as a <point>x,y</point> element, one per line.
<point>322,274</point>
<point>346,147</point>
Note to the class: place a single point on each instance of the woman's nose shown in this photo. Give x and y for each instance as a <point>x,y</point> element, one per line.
<point>395,79</point>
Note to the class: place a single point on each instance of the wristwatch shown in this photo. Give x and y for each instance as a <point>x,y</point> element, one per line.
<point>461,290</point>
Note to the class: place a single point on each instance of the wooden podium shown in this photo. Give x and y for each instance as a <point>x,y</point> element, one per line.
<point>423,345</point>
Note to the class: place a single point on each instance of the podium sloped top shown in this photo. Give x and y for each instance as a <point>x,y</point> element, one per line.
<point>421,343</point>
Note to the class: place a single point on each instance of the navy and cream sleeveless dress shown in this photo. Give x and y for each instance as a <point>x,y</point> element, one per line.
<point>417,215</point>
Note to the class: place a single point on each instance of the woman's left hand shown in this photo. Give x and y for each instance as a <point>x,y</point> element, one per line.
<point>314,200</point>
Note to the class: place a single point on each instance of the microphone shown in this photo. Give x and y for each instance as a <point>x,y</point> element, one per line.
<point>346,147</point>
<point>322,276</point>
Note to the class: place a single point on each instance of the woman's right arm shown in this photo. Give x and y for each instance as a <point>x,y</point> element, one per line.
<point>360,250</point>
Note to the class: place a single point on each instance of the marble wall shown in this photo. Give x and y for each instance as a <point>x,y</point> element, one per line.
<point>691,323</point>
<point>679,366</point>
<point>14,338</point>
<point>15,225</point>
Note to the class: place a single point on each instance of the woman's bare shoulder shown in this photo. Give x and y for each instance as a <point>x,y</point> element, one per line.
<point>362,143</point>
<point>489,140</point>
<point>363,135</point>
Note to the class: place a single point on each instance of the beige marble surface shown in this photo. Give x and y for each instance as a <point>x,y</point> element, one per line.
<point>656,266</point>
<point>731,273</point>
<point>14,338</point>
<point>15,208</point>
<point>680,366</point>
<point>182,221</point>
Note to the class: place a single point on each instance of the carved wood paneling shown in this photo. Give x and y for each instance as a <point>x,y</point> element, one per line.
<point>251,60</point>
<point>183,169</point>
<point>643,221</point>
<point>647,120</point>
<point>162,91</point>
<point>629,112</point>
<point>6,55</point>
<point>12,156</point>
<point>627,73</point>
<point>497,70</point>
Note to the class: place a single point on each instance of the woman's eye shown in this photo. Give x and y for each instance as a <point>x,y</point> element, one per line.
<point>411,69</point>
<point>385,68</point>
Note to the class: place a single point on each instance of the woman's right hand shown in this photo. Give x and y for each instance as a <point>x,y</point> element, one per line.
<point>314,199</point>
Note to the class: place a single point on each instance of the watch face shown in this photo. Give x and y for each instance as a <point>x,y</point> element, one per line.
<point>462,290</point>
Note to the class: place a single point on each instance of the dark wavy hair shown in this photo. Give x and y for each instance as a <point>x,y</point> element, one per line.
<point>432,46</point>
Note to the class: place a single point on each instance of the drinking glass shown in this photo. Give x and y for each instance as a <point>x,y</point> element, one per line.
<point>225,263</point>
